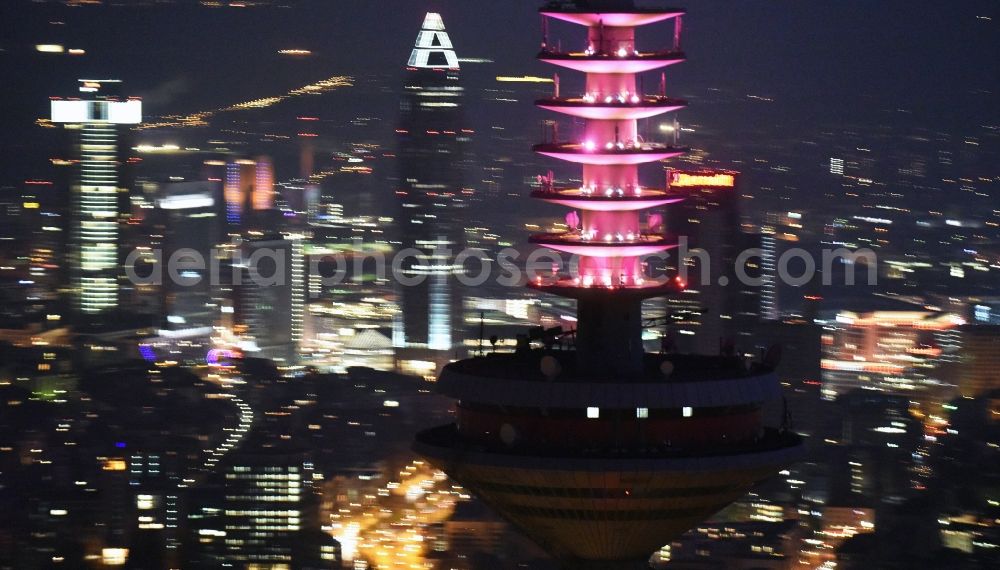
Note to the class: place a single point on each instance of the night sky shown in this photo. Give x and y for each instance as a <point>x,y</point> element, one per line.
<point>909,63</point>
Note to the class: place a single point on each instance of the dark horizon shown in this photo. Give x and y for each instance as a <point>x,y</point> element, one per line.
<point>786,64</point>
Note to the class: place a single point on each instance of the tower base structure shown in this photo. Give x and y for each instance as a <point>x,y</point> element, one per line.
<point>602,474</point>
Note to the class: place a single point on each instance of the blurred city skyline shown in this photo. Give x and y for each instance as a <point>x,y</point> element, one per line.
<point>450,285</point>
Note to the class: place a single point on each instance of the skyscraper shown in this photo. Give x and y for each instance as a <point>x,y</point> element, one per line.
<point>433,147</point>
<point>42,209</point>
<point>94,228</point>
<point>603,453</point>
<point>894,351</point>
<point>189,213</point>
<point>980,368</point>
<point>780,234</point>
<point>272,292</point>
<point>769,307</point>
<point>249,186</point>
<point>714,305</point>
<point>264,514</point>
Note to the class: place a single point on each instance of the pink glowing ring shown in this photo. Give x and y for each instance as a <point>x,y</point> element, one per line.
<point>609,204</point>
<point>579,154</point>
<point>572,289</point>
<point>605,64</point>
<point>614,19</point>
<point>613,112</point>
<point>574,245</point>
<point>609,250</point>
<point>604,159</point>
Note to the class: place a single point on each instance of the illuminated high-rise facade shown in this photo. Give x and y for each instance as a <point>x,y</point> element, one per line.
<point>269,515</point>
<point>604,453</point>
<point>96,116</point>
<point>433,145</point>
<point>188,211</point>
<point>980,360</point>
<point>249,186</point>
<point>897,352</point>
<point>41,204</point>
<point>272,294</point>
<point>716,311</point>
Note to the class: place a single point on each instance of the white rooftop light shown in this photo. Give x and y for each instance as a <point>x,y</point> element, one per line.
<point>433,48</point>
<point>433,21</point>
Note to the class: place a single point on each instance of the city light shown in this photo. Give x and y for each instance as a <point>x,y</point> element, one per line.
<point>523,79</point>
<point>715,180</point>
<point>114,556</point>
<point>270,315</point>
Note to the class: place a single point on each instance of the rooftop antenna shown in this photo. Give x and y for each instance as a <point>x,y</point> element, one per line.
<point>600,35</point>
<point>482,331</point>
<point>678,25</point>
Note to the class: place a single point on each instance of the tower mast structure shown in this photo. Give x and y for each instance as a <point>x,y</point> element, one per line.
<point>616,228</point>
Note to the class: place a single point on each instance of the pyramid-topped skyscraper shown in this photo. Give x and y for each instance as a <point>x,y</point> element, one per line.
<point>433,49</point>
<point>433,143</point>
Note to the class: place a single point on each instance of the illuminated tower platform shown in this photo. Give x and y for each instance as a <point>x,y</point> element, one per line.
<point>603,453</point>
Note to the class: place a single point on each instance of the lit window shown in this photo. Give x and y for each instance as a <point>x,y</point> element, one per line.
<point>114,556</point>
<point>642,413</point>
<point>593,413</point>
<point>687,412</point>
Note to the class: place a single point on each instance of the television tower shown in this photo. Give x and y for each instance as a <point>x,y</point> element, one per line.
<point>604,453</point>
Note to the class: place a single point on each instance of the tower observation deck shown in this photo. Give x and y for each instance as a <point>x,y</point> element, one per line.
<point>604,453</point>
